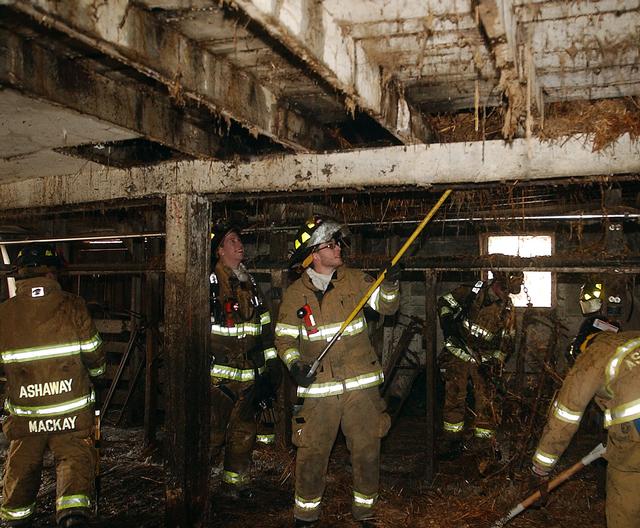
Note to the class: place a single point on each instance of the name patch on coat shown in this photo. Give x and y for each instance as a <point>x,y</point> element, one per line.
<point>49,388</point>
<point>51,425</point>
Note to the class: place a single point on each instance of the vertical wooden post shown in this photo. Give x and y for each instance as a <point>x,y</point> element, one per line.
<point>430,340</point>
<point>187,360</point>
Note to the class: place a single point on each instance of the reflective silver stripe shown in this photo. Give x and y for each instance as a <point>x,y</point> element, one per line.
<point>48,352</point>
<point>373,300</point>
<point>458,352</point>
<point>290,356</point>
<point>366,501</point>
<point>234,478</point>
<point>333,388</point>
<point>477,331</point>
<point>307,504</point>
<point>266,439</point>
<point>480,432</point>
<point>270,353</point>
<point>453,427</point>
<point>14,514</point>
<point>98,371</point>
<point>326,332</point>
<point>51,410</point>
<point>241,330</point>
<point>565,414</point>
<point>545,459</point>
<point>389,297</point>
<point>231,373</point>
<point>73,501</point>
<point>451,300</point>
<point>616,361</point>
<point>265,318</point>
<point>285,330</point>
<point>622,413</point>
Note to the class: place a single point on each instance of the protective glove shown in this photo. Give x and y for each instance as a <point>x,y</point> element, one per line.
<point>273,372</point>
<point>256,356</point>
<point>264,392</point>
<point>299,371</point>
<point>393,272</point>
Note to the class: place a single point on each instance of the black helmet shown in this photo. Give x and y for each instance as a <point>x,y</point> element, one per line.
<point>589,327</point>
<point>315,231</point>
<point>219,231</point>
<point>591,297</point>
<point>37,255</point>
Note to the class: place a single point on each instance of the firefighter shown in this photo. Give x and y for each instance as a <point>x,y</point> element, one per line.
<point>245,369</point>
<point>478,325</point>
<point>607,368</point>
<point>343,393</point>
<point>49,350</point>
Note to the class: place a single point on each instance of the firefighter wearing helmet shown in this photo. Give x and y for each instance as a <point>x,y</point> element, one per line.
<point>343,393</point>
<point>245,369</point>
<point>478,325</point>
<point>50,351</point>
<point>607,368</point>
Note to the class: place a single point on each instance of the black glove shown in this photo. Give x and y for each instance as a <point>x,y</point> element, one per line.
<point>299,371</point>
<point>256,356</point>
<point>273,372</point>
<point>264,392</point>
<point>449,325</point>
<point>393,272</point>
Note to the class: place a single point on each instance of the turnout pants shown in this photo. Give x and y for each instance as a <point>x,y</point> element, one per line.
<point>75,459</point>
<point>362,417</point>
<point>623,506</point>
<point>233,425</point>
<point>456,375</point>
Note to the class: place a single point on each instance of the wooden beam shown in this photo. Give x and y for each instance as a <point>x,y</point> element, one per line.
<point>186,338</point>
<point>129,33</point>
<point>430,339</point>
<point>31,68</point>
<point>311,33</point>
<point>446,164</point>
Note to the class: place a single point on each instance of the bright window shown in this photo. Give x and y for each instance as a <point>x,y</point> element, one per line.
<point>537,284</point>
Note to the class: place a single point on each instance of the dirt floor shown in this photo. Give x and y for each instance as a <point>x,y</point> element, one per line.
<point>459,496</point>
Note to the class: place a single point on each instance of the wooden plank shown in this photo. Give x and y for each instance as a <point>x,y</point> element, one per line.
<point>187,360</point>
<point>430,340</point>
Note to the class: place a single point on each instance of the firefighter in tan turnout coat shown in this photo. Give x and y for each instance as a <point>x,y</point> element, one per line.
<point>478,324</point>
<point>245,369</point>
<point>608,368</point>
<point>49,350</point>
<point>344,391</point>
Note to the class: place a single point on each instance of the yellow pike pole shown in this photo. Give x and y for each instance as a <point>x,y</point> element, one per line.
<point>377,282</point>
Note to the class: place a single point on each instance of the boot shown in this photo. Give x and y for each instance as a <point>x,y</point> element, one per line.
<point>74,521</point>
<point>451,449</point>
<point>299,523</point>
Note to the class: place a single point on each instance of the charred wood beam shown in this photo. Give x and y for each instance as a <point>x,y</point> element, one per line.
<point>310,32</point>
<point>186,338</point>
<point>447,164</point>
<point>35,70</point>
<point>431,353</point>
<point>125,31</point>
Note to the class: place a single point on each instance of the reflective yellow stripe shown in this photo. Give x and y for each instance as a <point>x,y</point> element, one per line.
<point>270,353</point>
<point>265,318</point>
<point>48,352</point>
<point>15,514</point>
<point>326,332</point>
<point>73,501</point>
<point>622,413</point>
<point>307,504</point>
<point>545,459</point>
<point>285,330</point>
<point>241,330</point>
<point>453,427</point>
<point>290,356</point>
<point>616,361</point>
<point>266,439</point>
<point>362,500</point>
<point>98,371</point>
<point>451,300</point>
<point>235,479</point>
<point>390,297</point>
<point>458,352</point>
<point>373,300</point>
<point>565,414</point>
<point>480,432</point>
<point>333,388</point>
<point>51,410</point>
<point>231,373</point>
<point>477,331</point>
